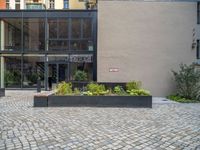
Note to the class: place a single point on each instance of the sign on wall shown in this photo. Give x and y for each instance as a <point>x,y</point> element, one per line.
<point>113,69</point>
<point>88,58</point>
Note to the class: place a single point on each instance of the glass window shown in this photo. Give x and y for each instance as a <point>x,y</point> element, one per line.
<point>63,28</point>
<point>76,28</point>
<point>198,45</point>
<point>34,34</point>
<point>17,6</point>
<point>198,12</point>
<point>87,28</point>
<point>51,4</point>
<point>52,25</point>
<point>86,67</point>
<point>11,40</point>
<point>66,4</point>
<point>58,45</point>
<point>82,45</point>
<point>12,71</point>
<point>33,69</point>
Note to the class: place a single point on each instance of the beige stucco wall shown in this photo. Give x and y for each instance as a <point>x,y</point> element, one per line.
<point>144,40</point>
<point>75,4</point>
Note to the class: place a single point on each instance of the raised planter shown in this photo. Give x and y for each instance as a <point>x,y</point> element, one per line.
<point>41,99</point>
<point>2,92</point>
<point>100,101</point>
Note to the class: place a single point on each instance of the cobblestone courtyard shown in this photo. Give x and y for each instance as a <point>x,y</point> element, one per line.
<point>165,127</point>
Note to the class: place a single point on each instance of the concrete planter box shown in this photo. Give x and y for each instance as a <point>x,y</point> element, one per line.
<point>100,101</point>
<point>40,101</point>
<point>2,92</point>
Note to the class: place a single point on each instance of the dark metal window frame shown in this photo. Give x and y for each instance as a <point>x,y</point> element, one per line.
<point>22,14</point>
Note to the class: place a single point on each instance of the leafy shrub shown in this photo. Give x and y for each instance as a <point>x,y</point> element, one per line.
<point>12,77</point>
<point>32,78</point>
<point>77,91</point>
<point>64,88</point>
<point>80,76</point>
<point>138,92</point>
<point>134,85</point>
<point>96,89</point>
<point>119,90</point>
<point>187,82</point>
<point>180,99</point>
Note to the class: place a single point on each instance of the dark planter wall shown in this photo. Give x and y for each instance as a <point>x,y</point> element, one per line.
<point>101,101</point>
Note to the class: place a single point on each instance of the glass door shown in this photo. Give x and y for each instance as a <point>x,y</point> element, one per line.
<point>57,72</point>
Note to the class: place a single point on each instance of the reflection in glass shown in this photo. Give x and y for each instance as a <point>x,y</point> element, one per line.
<point>87,28</point>
<point>52,26</point>
<point>12,34</point>
<point>33,69</point>
<point>58,45</point>
<point>34,34</point>
<point>12,72</point>
<point>76,28</point>
<point>63,28</point>
<point>86,67</point>
<point>82,45</point>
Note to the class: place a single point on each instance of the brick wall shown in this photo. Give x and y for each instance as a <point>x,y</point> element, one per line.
<point>2,4</point>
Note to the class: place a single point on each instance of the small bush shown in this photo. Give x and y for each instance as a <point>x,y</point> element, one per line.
<point>80,76</point>
<point>187,82</point>
<point>77,91</point>
<point>64,88</point>
<point>181,99</point>
<point>119,90</point>
<point>134,85</point>
<point>94,89</point>
<point>138,92</point>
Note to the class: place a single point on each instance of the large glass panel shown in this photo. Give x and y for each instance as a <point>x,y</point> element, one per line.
<point>76,28</point>
<point>84,45</point>
<point>33,69</point>
<point>87,28</point>
<point>58,45</point>
<point>63,28</point>
<point>12,71</point>
<point>11,29</point>
<point>81,62</point>
<point>52,28</point>
<point>34,34</point>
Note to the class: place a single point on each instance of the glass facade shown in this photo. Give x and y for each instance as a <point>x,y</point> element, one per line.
<point>49,48</point>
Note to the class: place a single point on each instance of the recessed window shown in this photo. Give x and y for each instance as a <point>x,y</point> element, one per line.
<point>198,12</point>
<point>51,4</point>
<point>198,53</point>
<point>66,4</point>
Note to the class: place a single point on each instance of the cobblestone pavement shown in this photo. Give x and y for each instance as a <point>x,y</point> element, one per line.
<point>164,127</point>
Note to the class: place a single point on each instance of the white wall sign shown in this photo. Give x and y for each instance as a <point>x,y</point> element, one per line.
<point>113,69</point>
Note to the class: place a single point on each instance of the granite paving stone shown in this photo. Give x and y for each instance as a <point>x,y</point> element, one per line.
<point>167,126</point>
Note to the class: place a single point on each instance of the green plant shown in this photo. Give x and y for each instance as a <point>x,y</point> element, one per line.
<point>12,77</point>
<point>187,82</point>
<point>96,89</point>
<point>77,91</point>
<point>180,99</point>
<point>64,88</point>
<point>119,90</point>
<point>80,76</point>
<point>32,78</point>
<point>138,92</point>
<point>134,85</point>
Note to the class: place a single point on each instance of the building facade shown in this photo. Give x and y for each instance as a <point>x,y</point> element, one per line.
<point>118,41</point>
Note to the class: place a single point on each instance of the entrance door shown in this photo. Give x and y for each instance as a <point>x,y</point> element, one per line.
<point>57,72</point>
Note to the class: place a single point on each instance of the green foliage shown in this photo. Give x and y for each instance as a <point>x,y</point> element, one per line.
<point>77,91</point>
<point>181,99</point>
<point>80,76</point>
<point>64,88</point>
<point>32,78</point>
<point>119,90</point>
<point>134,85</point>
<point>138,92</point>
<point>12,77</point>
<point>187,82</point>
<point>94,89</point>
